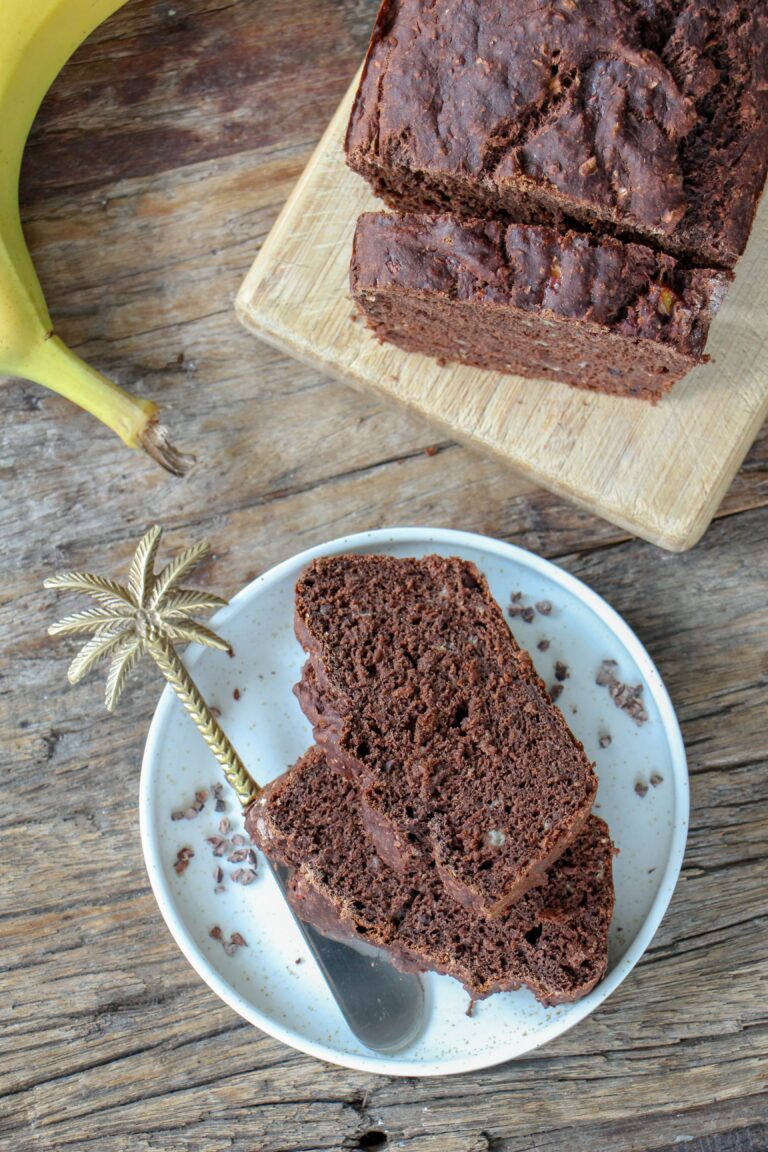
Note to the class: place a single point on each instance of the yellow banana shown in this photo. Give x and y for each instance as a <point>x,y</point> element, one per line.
<point>37,39</point>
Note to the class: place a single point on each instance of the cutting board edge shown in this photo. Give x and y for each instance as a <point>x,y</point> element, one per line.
<point>680,535</point>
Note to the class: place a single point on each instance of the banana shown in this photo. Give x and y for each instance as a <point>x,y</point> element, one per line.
<point>37,39</point>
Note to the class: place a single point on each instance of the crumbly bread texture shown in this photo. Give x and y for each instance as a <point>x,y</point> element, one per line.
<point>645,119</point>
<point>595,313</point>
<point>553,941</point>
<point>418,691</point>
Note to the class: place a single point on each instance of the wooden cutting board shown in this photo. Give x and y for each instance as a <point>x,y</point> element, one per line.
<point>658,472</point>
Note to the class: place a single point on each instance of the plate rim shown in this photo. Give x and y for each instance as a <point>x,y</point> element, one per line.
<point>405,1066</point>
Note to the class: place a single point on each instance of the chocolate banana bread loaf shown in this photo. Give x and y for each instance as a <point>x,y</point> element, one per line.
<point>595,313</point>
<point>553,941</point>
<point>644,119</point>
<point>418,691</point>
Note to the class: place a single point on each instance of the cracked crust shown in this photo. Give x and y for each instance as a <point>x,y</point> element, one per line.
<point>620,317</point>
<point>642,118</point>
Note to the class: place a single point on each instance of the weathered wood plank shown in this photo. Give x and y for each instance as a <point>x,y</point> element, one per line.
<point>148,187</point>
<point>162,85</point>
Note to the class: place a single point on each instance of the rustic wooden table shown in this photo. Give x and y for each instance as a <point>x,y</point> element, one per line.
<point>161,158</point>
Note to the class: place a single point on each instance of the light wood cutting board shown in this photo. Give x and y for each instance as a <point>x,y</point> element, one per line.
<point>658,472</point>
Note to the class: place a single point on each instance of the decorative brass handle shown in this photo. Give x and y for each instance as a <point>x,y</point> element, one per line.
<point>151,614</point>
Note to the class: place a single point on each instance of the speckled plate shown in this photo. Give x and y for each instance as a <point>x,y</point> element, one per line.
<point>270,980</point>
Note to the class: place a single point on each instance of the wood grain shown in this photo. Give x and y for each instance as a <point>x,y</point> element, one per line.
<point>658,471</point>
<point>111,1043</point>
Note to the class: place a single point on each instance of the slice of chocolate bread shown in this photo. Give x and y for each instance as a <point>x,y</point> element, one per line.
<point>419,691</point>
<point>645,119</point>
<point>595,313</point>
<point>392,808</point>
<point>553,941</point>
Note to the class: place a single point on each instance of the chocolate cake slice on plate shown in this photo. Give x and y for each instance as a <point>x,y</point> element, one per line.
<point>553,941</point>
<point>419,693</point>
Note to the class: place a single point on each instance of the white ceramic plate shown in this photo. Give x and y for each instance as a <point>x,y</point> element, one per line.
<point>272,981</point>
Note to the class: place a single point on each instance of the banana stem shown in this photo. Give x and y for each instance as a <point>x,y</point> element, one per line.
<point>187,691</point>
<point>134,420</point>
